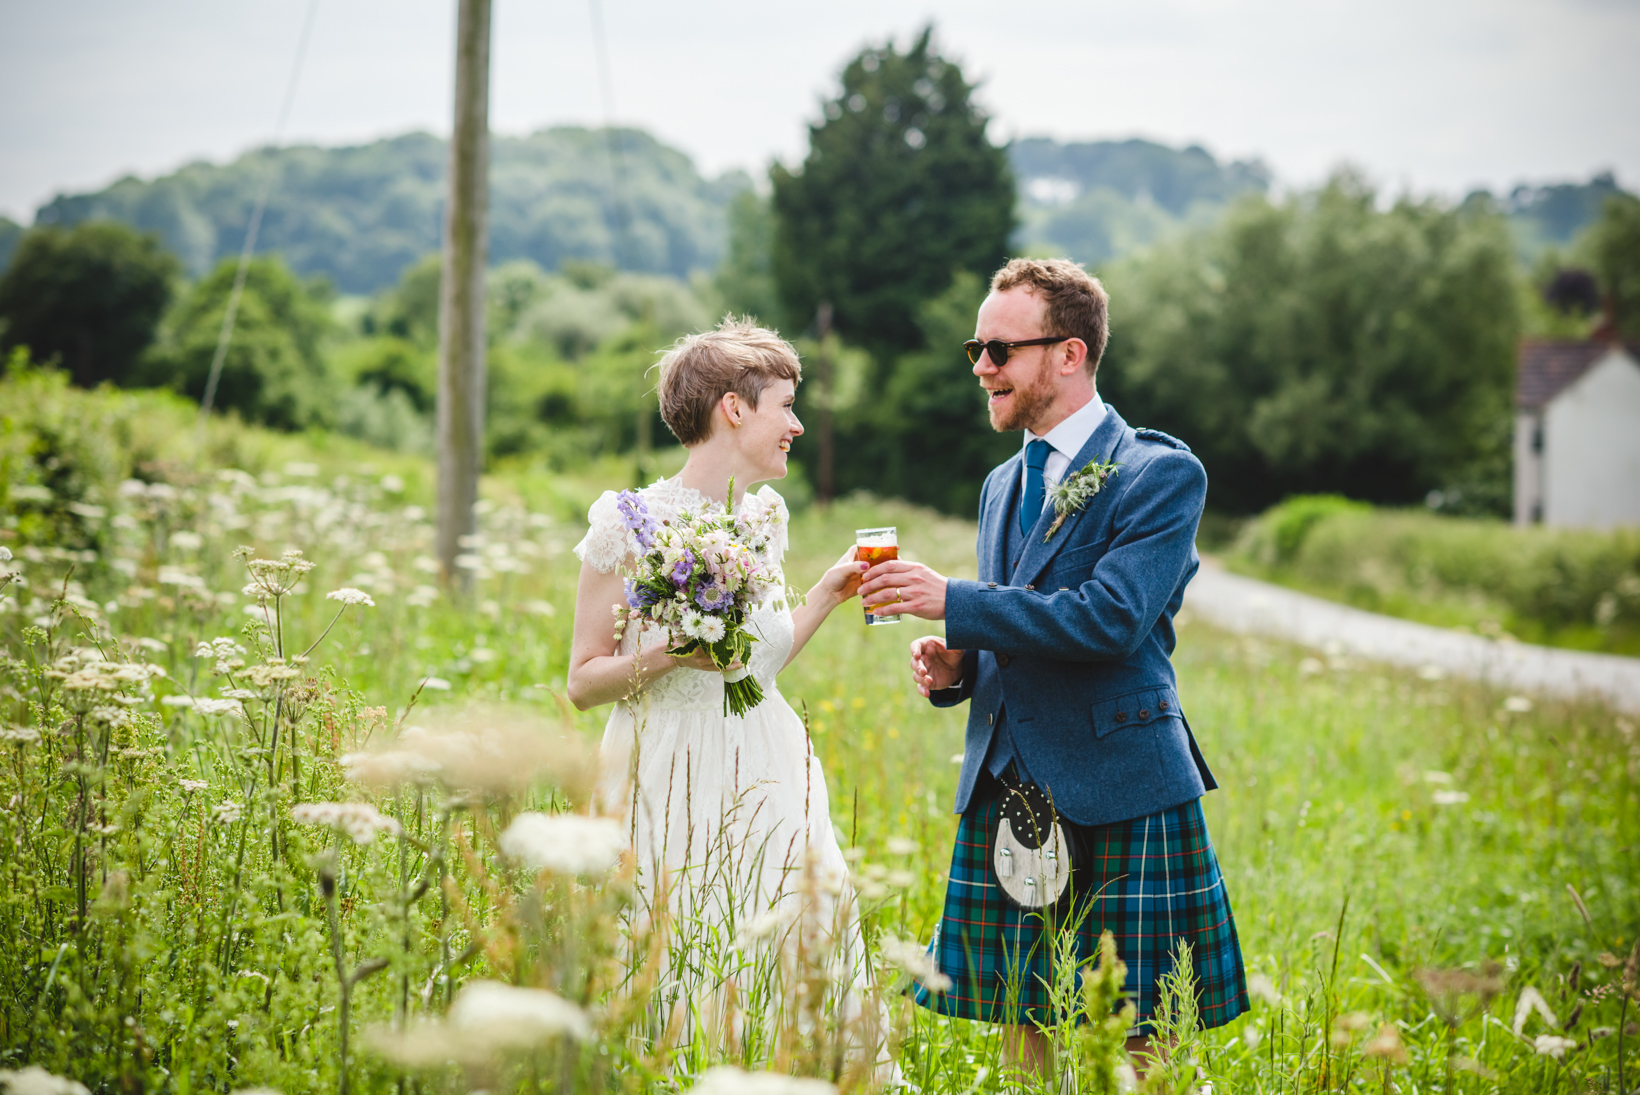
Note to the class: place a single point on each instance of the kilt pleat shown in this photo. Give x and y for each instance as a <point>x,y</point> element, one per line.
<point>1153,882</point>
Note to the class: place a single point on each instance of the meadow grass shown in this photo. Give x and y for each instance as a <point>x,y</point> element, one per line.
<point>1406,857</point>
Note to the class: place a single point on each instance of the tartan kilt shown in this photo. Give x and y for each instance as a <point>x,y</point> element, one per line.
<point>1152,882</point>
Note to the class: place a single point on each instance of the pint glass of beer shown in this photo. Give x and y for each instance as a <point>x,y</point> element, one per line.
<point>877,545</point>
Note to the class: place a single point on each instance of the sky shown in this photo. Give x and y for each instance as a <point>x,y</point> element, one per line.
<point>1431,97</point>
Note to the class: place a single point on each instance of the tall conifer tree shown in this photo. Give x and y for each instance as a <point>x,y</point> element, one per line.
<point>900,190</point>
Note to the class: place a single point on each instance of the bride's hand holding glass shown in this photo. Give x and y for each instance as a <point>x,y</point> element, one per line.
<point>841,580</point>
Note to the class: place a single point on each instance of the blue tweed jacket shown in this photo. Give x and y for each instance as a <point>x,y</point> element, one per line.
<point>1074,643</point>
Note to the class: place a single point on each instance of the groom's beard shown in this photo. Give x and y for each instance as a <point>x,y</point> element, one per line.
<point>1025,405</point>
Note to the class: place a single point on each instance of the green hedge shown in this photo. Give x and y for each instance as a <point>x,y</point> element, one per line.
<point>1566,587</point>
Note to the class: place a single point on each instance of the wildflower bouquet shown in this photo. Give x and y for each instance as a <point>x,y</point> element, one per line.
<point>698,576</point>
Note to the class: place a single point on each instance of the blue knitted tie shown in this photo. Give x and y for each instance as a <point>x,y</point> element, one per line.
<point>1030,504</point>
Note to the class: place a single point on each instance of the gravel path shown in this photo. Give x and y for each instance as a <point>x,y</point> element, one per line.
<point>1248,606</point>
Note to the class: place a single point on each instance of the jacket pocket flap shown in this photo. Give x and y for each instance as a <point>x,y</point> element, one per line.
<point>1079,558</point>
<point>1135,709</point>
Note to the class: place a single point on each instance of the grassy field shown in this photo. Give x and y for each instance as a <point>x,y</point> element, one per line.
<point>1412,862</point>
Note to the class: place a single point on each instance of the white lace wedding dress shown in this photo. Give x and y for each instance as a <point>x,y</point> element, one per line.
<point>729,815</point>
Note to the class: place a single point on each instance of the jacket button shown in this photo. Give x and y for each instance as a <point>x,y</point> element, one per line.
<point>1144,712</point>
<point>1163,705</point>
<point>990,585</point>
<point>1003,660</point>
<point>1030,587</point>
<point>991,719</point>
<point>1121,716</point>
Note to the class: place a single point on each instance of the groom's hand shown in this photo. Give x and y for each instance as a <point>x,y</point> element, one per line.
<point>934,667</point>
<point>909,588</point>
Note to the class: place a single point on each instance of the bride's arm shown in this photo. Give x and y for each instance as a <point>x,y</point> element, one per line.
<point>835,586</point>
<point>597,674</point>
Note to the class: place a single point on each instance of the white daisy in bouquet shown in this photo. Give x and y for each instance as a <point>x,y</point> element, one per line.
<point>699,576</point>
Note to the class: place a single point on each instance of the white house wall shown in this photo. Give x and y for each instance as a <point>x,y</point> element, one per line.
<point>1591,448</point>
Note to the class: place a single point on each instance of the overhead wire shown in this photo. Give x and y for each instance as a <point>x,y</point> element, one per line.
<point>617,176</point>
<point>255,225</point>
<point>624,255</point>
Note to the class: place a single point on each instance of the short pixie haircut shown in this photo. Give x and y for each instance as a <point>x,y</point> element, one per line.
<point>699,370</point>
<point>1075,304</point>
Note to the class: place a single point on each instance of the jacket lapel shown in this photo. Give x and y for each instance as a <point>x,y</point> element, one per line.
<point>1002,506</point>
<point>1102,446</point>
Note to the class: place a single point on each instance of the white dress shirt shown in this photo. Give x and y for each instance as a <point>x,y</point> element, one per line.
<point>1066,440</point>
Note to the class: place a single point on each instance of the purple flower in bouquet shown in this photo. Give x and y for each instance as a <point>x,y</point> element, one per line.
<point>635,515</point>
<point>681,572</point>
<point>714,598</point>
<point>637,596</point>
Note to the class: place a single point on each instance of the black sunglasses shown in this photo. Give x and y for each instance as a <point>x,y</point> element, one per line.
<point>998,349</point>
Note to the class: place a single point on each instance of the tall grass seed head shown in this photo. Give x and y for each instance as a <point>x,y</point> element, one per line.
<point>490,750</point>
<point>390,768</point>
<point>1553,1045</point>
<point>1387,1045</point>
<point>913,959</point>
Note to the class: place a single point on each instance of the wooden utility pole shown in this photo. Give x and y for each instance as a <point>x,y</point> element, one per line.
<point>826,368</point>
<point>461,333</point>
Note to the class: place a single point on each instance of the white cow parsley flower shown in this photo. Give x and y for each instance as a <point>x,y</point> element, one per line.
<point>566,843</point>
<point>729,1080</point>
<point>509,1017</point>
<point>35,1080</point>
<point>358,821</point>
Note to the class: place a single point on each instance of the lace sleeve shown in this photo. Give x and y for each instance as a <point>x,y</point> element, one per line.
<point>605,544</point>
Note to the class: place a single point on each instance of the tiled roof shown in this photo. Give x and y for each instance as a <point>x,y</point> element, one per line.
<point>1547,368</point>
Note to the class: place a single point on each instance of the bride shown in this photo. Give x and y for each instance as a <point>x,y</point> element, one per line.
<point>729,815</point>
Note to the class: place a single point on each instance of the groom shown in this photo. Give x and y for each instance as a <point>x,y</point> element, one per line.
<point>1061,649</point>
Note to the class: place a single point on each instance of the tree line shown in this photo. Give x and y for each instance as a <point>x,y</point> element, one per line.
<point>1330,340</point>
<point>361,215</point>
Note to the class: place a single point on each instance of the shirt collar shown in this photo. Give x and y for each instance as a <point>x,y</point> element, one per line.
<point>1070,435</point>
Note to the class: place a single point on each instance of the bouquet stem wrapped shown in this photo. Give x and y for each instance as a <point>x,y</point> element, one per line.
<point>699,576</point>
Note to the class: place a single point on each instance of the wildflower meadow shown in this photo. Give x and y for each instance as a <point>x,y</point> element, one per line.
<point>281,811</point>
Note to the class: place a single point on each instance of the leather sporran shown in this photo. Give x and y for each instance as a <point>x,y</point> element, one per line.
<point>1030,855</point>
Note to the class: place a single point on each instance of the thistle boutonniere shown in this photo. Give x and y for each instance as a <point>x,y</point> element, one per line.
<point>1074,491</point>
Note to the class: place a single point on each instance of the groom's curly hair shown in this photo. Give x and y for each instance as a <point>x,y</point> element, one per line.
<point>700,369</point>
<point>1074,303</point>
